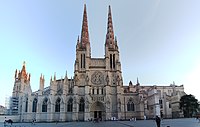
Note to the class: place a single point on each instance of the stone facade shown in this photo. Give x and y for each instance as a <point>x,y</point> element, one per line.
<point>95,91</point>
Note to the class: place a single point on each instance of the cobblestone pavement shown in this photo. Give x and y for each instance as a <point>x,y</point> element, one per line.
<point>140,123</point>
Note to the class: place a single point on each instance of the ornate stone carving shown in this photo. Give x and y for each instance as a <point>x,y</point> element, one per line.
<point>118,80</point>
<point>97,78</point>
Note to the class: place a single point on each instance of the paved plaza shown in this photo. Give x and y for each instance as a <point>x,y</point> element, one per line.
<point>140,123</point>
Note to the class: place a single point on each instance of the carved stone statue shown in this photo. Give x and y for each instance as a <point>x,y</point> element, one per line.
<point>87,79</point>
<point>76,78</point>
<point>118,80</point>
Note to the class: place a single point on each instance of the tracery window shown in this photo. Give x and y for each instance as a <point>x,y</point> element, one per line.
<point>44,105</point>
<point>57,106</point>
<point>34,107</point>
<point>70,105</point>
<point>130,105</point>
<point>81,105</point>
<point>26,108</point>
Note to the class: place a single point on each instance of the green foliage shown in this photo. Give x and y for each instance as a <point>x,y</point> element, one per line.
<point>189,105</point>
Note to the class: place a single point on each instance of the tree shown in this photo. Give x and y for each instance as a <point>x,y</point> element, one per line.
<point>189,104</point>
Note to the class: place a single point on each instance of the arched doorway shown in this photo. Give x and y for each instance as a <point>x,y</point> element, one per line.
<point>97,110</point>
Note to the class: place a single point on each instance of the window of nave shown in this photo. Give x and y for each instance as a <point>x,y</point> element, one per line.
<point>130,105</point>
<point>34,107</point>
<point>70,105</point>
<point>161,103</point>
<point>57,106</point>
<point>81,105</point>
<point>44,105</point>
<point>26,108</point>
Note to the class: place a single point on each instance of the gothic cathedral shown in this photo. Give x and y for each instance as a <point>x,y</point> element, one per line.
<point>95,91</point>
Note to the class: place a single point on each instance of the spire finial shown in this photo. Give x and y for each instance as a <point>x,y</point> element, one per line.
<point>84,32</point>
<point>138,81</point>
<point>16,73</point>
<point>51,79</point>
<point>66,73</point>
<point>41,76</point>
<point>110,32</point>
<point>54,76</point>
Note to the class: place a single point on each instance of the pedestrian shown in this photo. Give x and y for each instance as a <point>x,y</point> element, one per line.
<point>33,121</point>
<point>145,117</point>
<point>158,121</point>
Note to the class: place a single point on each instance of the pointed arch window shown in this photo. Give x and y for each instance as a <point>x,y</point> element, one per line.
<point>57,106</point>
<point>34,107</point>
<point>81,105</point>
<point>44,105</point>
<point>26,106</point>
<point>130,105</point>
<point>110,61</point>
<point>83,60</point>
<point>70,105</point>
<point>114,61</point>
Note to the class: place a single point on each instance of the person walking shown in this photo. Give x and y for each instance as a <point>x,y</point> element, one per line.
<point>158,121</point>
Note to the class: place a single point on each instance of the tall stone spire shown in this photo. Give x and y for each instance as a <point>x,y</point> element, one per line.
<point>84,32</point>
<point>110,33</point>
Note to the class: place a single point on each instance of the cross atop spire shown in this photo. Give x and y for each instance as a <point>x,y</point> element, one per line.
<point>84,32</point>
<point>110,32</point>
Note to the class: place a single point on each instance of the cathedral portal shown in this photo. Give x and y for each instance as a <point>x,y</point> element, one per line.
<point>97,110</point>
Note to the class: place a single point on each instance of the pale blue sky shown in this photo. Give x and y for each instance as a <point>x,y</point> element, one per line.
<point>159,41</point>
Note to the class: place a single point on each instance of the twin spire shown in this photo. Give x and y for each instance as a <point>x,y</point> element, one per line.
<point>110,33</point>
<point>84,32</point>
<point>111,42</point>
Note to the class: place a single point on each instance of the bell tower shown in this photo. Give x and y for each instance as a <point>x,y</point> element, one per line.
<point>83,50</point>
<point>22,82</point>
<point>111,47</point>
<point>113,69</point>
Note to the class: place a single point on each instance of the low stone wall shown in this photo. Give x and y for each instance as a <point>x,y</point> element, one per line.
<point>15,118</point>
